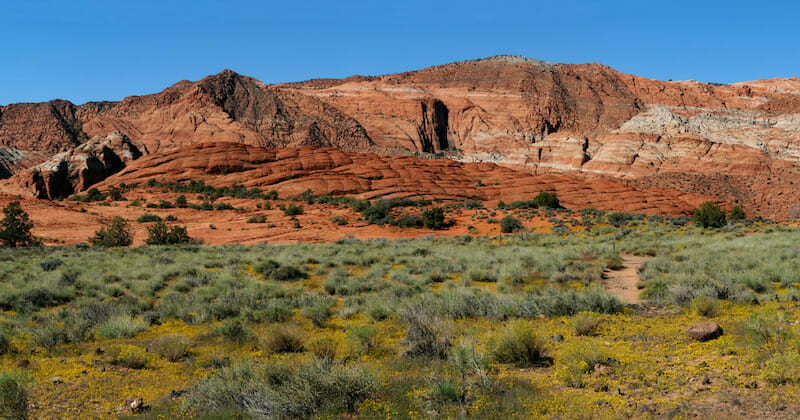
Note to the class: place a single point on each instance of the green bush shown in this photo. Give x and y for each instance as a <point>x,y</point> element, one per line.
<point>426,334</point>
<point>5,343</point>
<point>127,356</point>
<point>766,330</point>
<point>709,215</point>
<point>736,214</point>
<point>517,343</point>
<point>293,210</point>
<point>285,339</point>
<point>706,306</point>
<point>15,227</point>
<point>117,234</point>
<point>160,234</point>
<point>173,347</point>
<point>323,347</point>
<point>546,200</point>
<point>148,218</point>
<point>433,218</point>
<point>577,361</point>
<point>277,390</point>
<point>783,368</point>
<point>121,326</point>
<point>585,324</point>
<point>233,330</point>
<point>13,397</point>
<point>278,272</point>
<point>510,224</point>
<point>318,310</point>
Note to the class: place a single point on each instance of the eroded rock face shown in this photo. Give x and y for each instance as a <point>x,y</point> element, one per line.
<point>291,171</point>
<point>741,141</point>
<point>229,107</point>
<point>77,169</point>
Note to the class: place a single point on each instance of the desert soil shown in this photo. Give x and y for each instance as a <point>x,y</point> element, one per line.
<point>623,282</point>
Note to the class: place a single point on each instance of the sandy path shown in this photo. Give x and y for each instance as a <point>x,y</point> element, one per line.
<point>623,282</point>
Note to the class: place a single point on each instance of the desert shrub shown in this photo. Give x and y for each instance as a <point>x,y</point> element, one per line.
<point>736,214</point>
<point>517,343</point>
<point>160,234</point>
<point>576,361</point>
<point>408,221</point>
<point>546,200</point>
<point>426,334</point>
<point>706,306</point>
<point>148,218</point>
<point>613,262</point>
<point>279,272</point>
<point>473,204</point>
<point>51,264</point>
<point>585,324</point>
<point>341,221</point>
<point>233,330</point>
<point>293,210</point>
<point>173,347</point>
<point>557,302</point>
<point>783,368</point>
<point>121,326</point>
<point>323,347</point>
<point>257,219</point>
<point>117,234</point>
<point>317,308</point>
<point>433,218</point>
<point>378,309</point>
<point>275,311</point>
<point>445,392</point>
<point>278,391</point>
<point>285,339</point>
<point>510,224</point>
<point>477,274</point>
<point>15,227</point>
<point>42,297</point>
<point>709,215</point>
<point>13,397</point>
<point>127,356</point>
<point>5,343</point>
<point>223,206</point>
<point>364,335</point>
<point>766,330</point>
<point>181,202</point>
<point>288,273</point>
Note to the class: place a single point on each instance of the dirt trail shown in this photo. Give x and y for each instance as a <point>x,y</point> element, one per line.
<point>623,282</point>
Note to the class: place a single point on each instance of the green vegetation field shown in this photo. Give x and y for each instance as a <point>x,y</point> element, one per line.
<point>478,327</point>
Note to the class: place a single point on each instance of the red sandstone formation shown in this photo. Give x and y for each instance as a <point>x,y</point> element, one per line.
<point>739,143</point>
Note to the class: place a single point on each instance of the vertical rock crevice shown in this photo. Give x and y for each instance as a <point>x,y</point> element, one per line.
<point>433,127</point>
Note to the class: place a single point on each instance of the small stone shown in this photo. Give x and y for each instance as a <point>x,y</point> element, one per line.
<point>136,405</point>
<point>704,331</point>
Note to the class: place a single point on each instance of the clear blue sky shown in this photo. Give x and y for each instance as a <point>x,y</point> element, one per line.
<point>84,50</point>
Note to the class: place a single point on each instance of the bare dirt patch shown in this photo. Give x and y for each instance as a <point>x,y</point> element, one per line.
<point>623,282</point>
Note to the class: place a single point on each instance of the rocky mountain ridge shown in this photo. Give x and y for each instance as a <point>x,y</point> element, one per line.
<point>579,120</point>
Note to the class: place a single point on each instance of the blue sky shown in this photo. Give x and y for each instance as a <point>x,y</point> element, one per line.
<point>83,50</point>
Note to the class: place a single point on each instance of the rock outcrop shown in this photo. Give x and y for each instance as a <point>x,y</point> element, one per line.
<point>291,171</point>
<point>77,169</point>
<point>704,331</point>
<point>739,143</point>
